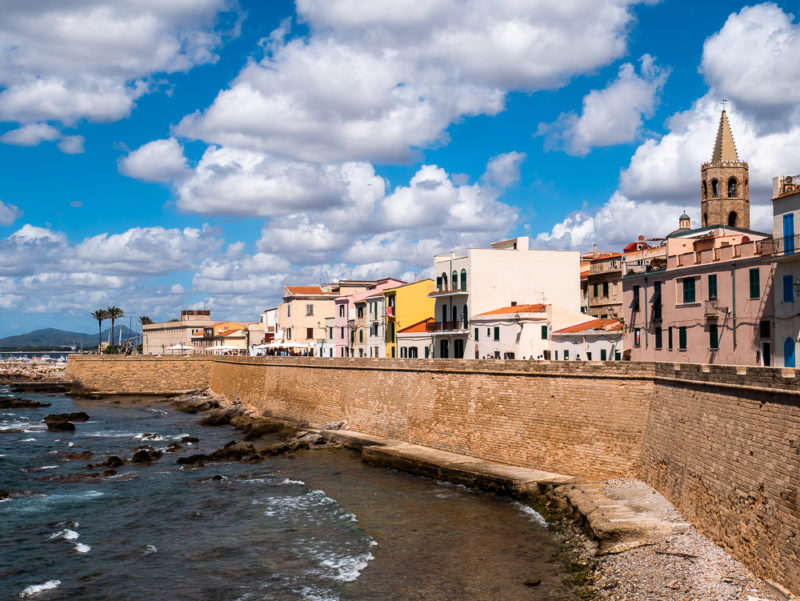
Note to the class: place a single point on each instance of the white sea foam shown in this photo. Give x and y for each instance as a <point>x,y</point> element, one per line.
<point>347,568</point>
<point>35,589</point>
<point>286,481</point>
<point>309,594</point>
<point>70,444</point>
<point>150,549</point>
<point>159,411</point>
<point>66,534</point>
<point>149,436</point>
<point>28,440</point>
<point>81,548</point>
<point>530,512</point>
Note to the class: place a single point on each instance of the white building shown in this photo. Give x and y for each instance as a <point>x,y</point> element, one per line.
<point>785,250</point>
<point>476,280</point>
<point>376,334</point>
<point>415,342</point>
<point>519,331</point>
<point>595,340</point>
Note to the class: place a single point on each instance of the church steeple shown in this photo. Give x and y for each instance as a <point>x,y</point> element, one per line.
<point>725,199</point>
<point>724,147</point>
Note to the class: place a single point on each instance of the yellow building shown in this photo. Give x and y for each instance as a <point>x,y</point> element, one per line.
<point>405,306</point>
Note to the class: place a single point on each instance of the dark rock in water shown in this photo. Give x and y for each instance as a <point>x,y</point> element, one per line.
<point>195,403</point>
<point>10,402</point>
<point>173,447</point>
<point>79,456</point>
<point>216,478</point>
<point>256,427</point>
<point>190,439</point>
<point>40,386</point>
<point>13,494</point>
<point>236,451</point>
<point>73,477</point>
<point>108,473</point>
<point>113,461</point>
<point>12,431</point>
<point>220,417</point>
<point>193,459</point>
<point>149,436</point>
<point>146,456</point>
<point>60,426</point>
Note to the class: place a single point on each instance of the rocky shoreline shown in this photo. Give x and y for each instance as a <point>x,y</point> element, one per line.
<point>32,372</point>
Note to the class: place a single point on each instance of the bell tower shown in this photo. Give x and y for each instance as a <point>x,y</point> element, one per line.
<point>725,184</point>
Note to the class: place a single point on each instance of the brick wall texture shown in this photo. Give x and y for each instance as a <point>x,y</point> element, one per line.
<point>721,442</point>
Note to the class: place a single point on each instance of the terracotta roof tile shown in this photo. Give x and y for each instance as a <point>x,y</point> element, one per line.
<point>540,308</point>
<point>420,326</point>
<point>607,325</point>
<point>304,290</point>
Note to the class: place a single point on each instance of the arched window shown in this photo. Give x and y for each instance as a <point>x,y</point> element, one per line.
<point>455,313</point>
<point>732,218</point>
<point>444,312</point>
<point>715,188</point>
<point>466,318</point>
<point>444,281</point>
<point>705,190</point>
<point>705,219</point>
<point>454,281</point>
<point>463,280</point>
<point>361,335</point>
<point>732,188</point>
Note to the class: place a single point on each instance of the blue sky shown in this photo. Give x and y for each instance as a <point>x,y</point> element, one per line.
<point>205,153</point>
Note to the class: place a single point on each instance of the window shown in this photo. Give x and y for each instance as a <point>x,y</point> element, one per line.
<point>544,332</point>
<point>556,355</point>
<point>635,301</point>
<point>455,316</point>
<point>444,313</point>
<point>412,352</point>
<point>712,286</point>
<point>637,337</point>
<point>361,335</point>
<point>309,333</point>
<point>713,337</point>
<point>788,289</point>
<point>658,338</point>
<point>309,309</point>
<point>669,337</point>
<point>764,328</point>
<point>594,290</point>
<point>444,281</point>
<point>288,310</point>
<point>497,333</point>
<point>330,333</point>
<point>439,282</point>
<point>605,289</point>
<point>427,352</point>
<point>755,283</point>
<point>715,188</point>
<point>403,353</point>
<point>705,190</point>
<point>656,300</point>
<point>341,332</point>
<point>732,187</point>
<point>617,355</point>
<point>488,332</point>
<point>682,338</point>
<point>454,281</point>
<point>466,319</point>
<point>688,290</point>
<point>476,334</point>
<point>463,280</point>
<point>788,233</point>
<point>566,355</point>
<point>391,334</point>
<point>732,218</point>
<point>289,334</point>
<point>603,355</point>
<point>341,310</point>
<point>360,312</point>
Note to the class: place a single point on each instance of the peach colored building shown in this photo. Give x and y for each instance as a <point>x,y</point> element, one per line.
<point>350,319</point>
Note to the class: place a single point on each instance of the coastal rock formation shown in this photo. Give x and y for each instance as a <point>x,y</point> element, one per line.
<point>63,422</point>
<point>38,372</point>
<point>10,402</point>
<point>197,402</point>
<point>146,455</point>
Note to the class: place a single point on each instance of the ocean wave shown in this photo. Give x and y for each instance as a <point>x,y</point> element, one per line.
<point>81,548</point>
<point>28,440</point>
<point>347,568</point>
<point>150,549</point>
<point>66,534</point>
<point>149,436</point>
<point>312,594</point>
<point>159,411</point>
<point>531,513</point>
<point>35,503</point>
<point>35,589</point>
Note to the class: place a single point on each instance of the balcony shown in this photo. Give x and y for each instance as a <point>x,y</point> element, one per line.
<point>446,292</point>
<point>460,326</point>
<point>785,246</point>
<point>606,266</point>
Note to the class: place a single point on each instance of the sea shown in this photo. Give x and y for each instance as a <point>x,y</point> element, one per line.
<point>317,525</point>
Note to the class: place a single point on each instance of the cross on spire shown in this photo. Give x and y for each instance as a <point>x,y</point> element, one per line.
<point>724,101</point>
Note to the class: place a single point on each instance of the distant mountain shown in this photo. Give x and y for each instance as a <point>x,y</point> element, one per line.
<point>52,339</point>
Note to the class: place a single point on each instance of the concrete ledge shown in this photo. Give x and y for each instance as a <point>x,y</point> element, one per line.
<point>615,525</point>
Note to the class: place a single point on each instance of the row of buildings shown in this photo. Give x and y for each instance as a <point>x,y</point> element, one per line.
<point>718,293</point>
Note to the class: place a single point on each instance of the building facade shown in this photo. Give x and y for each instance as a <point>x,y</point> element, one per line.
<point>415,342</point>
<point>376,333</point>
<point>405,306</point>
<point>351,321</point>
<point>476,280</point>
<point>595,340</point>
<point>157,338</point>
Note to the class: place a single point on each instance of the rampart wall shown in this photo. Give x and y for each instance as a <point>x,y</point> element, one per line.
<point>721,442</point>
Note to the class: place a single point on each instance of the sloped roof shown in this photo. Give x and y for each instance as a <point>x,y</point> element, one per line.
<point>420,326</point>
<point>539,308</point>
<point>724,146</point>
<point>304,290</point>
<point>605,325</point>
<point>359,296</point>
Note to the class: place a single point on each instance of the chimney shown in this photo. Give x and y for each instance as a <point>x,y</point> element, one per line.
<point>594,252</point>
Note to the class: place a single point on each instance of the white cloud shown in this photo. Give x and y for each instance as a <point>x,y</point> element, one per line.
<point>71,144</point>
<point>9,213</point>
<point>92,58</point>
<point>156,161</point>
<point>503,170</point>
<point>30,134</point>
<point>377,82</point>
<point>753,60</point>
<point>613,115</point>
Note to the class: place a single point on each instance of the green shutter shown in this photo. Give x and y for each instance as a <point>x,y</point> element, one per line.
<point>476,334</point>
<point>755,284</point>
<point>669,337</point>
<point>713,336</point>
<point>658,338</point>
<point>682,338</point>
<point>497,333</point>
<point>712,286</point>
<point>544,332</point>
<point>688,290</point>
<point>603,355</point>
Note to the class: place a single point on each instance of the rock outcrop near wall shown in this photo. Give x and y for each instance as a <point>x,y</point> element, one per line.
<point>722,443</point>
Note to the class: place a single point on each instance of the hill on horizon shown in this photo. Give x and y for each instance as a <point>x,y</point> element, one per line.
<point>53,338</point>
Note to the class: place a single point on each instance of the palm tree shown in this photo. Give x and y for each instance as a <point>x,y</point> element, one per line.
<point>114,313</point>
<point>145,320</point>
<point>100,315</point>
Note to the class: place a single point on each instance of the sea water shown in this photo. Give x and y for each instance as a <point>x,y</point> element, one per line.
<point>318,525</point>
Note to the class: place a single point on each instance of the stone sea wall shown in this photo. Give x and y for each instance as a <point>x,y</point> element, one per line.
<point>722,443</point>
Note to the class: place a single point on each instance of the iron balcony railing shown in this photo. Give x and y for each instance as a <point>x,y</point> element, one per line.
<point>447,326</point>
<point>785,245</point>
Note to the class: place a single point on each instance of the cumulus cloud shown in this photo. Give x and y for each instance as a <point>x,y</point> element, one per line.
<point>30,134</point>
<point>753,60</point>
<point>503,170</point>
<point>9,213</point>
<point>71,144</point>
<point>375,83</point>
<point>613,115</point>
<point>92,58</point>
<point>156,161</point>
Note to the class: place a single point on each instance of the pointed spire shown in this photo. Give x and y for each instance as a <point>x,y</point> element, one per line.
<point>724,147</point>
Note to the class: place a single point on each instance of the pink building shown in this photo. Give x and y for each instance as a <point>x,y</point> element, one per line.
<point>347,323</point>
<point>712,303</point>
